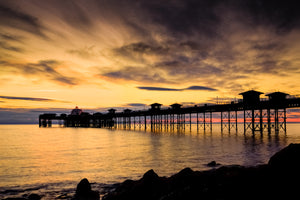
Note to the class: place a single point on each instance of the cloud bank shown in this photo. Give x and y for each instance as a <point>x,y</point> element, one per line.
<point>176,89</point>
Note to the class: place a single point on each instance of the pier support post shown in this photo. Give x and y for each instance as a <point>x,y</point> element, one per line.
<point>284,118</point>
<point>221,121</point>
<point>253,121</point>
<point>269,120</point>
<point>210,121</point>
<point>204,124</point>
<point>236,120</point>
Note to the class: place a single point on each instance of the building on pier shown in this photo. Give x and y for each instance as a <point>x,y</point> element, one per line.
<point>257,115</point>
<point>277,98</point>
<point>176,106</point>
<point>155,106</point>
<point>76,111</point>
<point>251,97</point>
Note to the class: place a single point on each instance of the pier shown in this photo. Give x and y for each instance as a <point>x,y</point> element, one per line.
<point>257,115</point>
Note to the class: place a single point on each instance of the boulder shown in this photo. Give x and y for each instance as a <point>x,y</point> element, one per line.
<point>84,191</point>
<point>213,164</point>
<point>34,197</point>
<point>287,159</point>
<point>150,177</point>
<point>30,197</point>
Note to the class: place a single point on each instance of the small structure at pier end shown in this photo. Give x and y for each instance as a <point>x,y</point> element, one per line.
<point>258,115</point>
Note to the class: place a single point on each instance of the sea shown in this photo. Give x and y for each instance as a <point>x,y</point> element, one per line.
<point>51,161</point>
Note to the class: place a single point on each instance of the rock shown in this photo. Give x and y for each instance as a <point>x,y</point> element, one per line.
<point>213,164</point>
<point>84,191</point>
<point>34,197</point>
<point>150,177</point>
<point>277,179</point>
<point>30,197</point>
<point>83,187</point>
<point>287,159</point>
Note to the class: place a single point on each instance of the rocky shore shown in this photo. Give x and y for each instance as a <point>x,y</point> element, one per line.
<point>277,179</point>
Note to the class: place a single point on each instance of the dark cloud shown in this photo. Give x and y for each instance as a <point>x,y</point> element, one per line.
<point>139,74</point>
<point>200,88</point>
<point>17,19</point>
<point>158,89</point>
<point>141,47</point>
<point>170,42</point>
<point>136,104</point>
<point>10,37</point>
<point>138,51</point>
<point>43,68</point>
<point>184,17</point>
<point>282,15</point>
<point>47,68</point>
<point>6,46</point>
<point>76,15</point>
<point>30,99</point>
<point>175,89</point>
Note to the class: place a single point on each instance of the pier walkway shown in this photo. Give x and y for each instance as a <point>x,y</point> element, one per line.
<point>257,115</point>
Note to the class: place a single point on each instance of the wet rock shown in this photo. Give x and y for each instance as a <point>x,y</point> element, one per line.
<point>149,187</point>
<point>287,158</point>
<point>227,182</point>
<point>34,197</point>
<point>213,164</point>
<point>150,176</point>
<point>85,192</point>
<point>30,197</point>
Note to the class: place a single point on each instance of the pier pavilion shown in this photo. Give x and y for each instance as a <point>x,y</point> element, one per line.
<point>259,115</point>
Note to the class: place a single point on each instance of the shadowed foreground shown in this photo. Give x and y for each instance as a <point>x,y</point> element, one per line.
<point>277,179</point>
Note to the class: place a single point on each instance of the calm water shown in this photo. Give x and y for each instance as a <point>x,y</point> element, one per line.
<point>51,161</point>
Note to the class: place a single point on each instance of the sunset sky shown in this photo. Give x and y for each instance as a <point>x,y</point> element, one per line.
<point>98,54</point>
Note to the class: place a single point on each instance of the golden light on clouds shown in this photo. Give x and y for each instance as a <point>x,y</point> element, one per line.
<point>99,54</point>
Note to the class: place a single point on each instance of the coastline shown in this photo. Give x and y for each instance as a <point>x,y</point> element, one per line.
<point>277,178</point>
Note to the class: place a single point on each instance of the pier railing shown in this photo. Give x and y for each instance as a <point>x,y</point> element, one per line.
<point>260,116</point>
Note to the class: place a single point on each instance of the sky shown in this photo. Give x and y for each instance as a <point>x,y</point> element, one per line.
<point>100,54</point>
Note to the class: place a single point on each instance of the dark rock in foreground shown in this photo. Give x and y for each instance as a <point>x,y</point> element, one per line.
<point>30,197</point>
<point>85,192</point>
<point>277,179</point>
<point>287,159</point>
<point>213,164</point>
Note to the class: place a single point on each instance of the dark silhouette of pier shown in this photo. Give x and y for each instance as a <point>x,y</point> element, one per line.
<point>258,115</point>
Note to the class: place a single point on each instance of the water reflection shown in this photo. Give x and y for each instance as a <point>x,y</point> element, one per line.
<point>31,155</point>
<point>232,146</point>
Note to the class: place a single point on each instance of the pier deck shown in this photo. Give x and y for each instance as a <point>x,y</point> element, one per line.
<point>257,115</point>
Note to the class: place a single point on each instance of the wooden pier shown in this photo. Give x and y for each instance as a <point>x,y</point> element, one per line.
<point>257,115</point>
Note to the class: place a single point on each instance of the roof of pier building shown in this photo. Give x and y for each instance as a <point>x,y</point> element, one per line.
<point>176,106</point>
<point>76,111</point>
<point>155,106</point>
<point>127,111</point>
<point>277,97</point>
<point>98,114</point>
<point>112,111</point>
<point>251,97</point>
